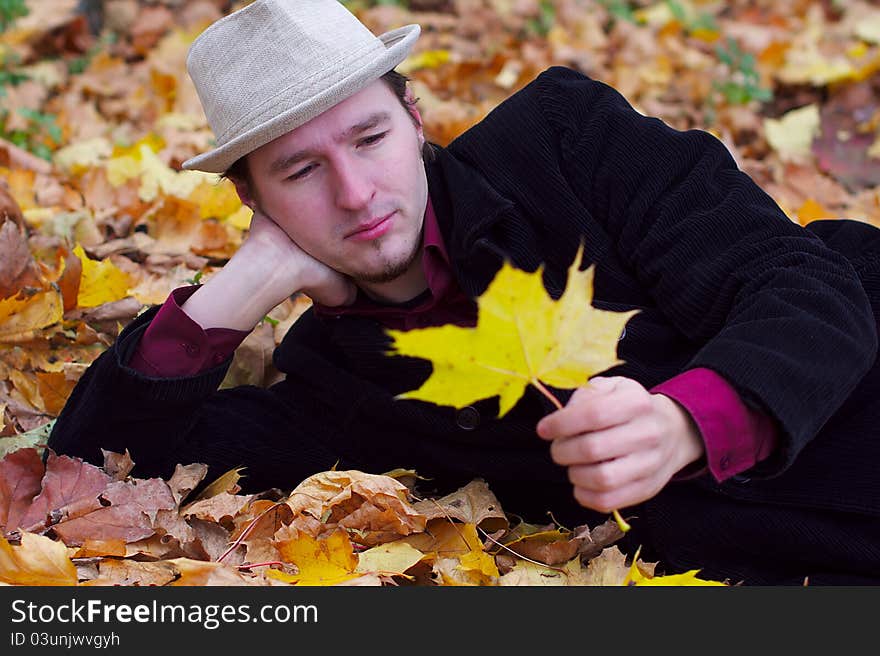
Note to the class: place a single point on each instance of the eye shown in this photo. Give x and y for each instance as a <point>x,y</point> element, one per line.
<point>373,139</point>
<point>301,173</point>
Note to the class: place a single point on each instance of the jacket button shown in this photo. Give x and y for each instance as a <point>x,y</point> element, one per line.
<point>191,349</point>
<point>724,462</point>
<point>468,418</point>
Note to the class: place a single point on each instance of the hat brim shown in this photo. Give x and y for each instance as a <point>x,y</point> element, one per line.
<point>398,44</point>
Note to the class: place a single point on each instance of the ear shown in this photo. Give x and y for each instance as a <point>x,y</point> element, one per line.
<point>243,189</point>
<point>414,112</point>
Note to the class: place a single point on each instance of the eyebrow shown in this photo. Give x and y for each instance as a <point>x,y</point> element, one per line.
<point>286,161</point>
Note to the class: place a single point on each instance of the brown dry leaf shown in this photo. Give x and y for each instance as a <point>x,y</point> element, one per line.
<point>54,388</point>
<point>608,568</point>
<point>252,361</point>
<point>443,538</point>
<point>112,571</point>
<point>117,465</point>
<point>18,269</point>
<point>21,473</point>
<point>220,508</point>
<point>185,479</point>
<point>124,510</point>
<point>374,507</point>
<point>100,549</point>
<point>552,547</point>
<point>594,541</point>
<point>199,573</point>
<point>66,481</point>
<point>38,560</point>
<point>474,503</point>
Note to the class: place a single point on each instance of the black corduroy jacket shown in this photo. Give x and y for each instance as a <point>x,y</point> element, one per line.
<point>722,279</point>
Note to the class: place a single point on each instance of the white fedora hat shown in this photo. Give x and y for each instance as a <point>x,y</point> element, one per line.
<point>273,65</point>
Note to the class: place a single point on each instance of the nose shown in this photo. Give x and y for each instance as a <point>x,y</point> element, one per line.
<point>354,185</point>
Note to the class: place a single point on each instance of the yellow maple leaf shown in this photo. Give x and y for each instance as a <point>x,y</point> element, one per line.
<point>522,336</point>
<point>22,315</point>
<point>689,578</point>
<point>38,560</point>
<point>320,561</point>
<point>101,281</point>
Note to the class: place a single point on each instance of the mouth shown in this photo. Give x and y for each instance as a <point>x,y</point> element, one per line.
<point>373,229</point>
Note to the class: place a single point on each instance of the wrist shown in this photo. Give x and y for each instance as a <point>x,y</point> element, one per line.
<point>690,446</point>
<point>240,294</point>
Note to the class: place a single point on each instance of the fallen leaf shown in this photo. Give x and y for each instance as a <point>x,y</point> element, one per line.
<point>38,560</point>
<point>474,503</point>
<point>21,473</point>
<point>392,558</point>
<point>375,506</point>
<point>792,135</point>
<point>324,561</point>
<point>101,282</point>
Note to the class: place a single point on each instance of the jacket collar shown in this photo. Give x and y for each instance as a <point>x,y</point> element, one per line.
<point>465,217</point>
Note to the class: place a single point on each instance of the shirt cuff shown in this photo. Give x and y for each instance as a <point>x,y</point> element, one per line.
<point>175,346</point>
<point>736,436</point>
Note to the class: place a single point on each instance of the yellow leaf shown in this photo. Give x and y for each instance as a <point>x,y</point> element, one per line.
<point>226,482</point>
<point>37,561</point>
<point>390,558</point>
<point>792,135</point>
<point>522,336</point>
<point>424,59</point>
<point>480,563</point>
<point>689,578</point>
<point>156,177</point>
<point>812,210</point>
<point>82,155</point>
<point>216,199</point>
<point>324,561</point>
<point>241,218</point>
<point>21,316</point>
<point>101,281</point>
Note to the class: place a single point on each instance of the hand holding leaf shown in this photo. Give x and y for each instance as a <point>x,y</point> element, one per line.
<point>522,337</point>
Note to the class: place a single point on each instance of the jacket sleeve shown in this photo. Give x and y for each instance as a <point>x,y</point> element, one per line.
<point>168,421</point>
<point>779,315</point>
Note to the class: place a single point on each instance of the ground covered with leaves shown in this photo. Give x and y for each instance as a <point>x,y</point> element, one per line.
<point>98,222</point>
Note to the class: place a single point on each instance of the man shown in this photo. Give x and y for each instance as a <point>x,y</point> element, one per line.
<point>741,432</point>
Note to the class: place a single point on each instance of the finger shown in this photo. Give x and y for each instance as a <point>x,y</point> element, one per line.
<point>607,502</point>
<point>598,446</point>
<point>589,410</point>
<point>614,474</point>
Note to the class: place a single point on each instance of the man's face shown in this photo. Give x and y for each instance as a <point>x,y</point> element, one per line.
<point>349,187</point>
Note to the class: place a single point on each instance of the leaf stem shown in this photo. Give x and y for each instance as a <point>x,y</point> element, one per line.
<point>537,383</point>
<point>621,522</point>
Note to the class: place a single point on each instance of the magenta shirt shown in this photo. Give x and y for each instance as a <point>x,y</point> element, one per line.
<point>736,436</point>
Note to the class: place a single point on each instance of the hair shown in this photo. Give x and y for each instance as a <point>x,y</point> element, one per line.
<point>395,81</point>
